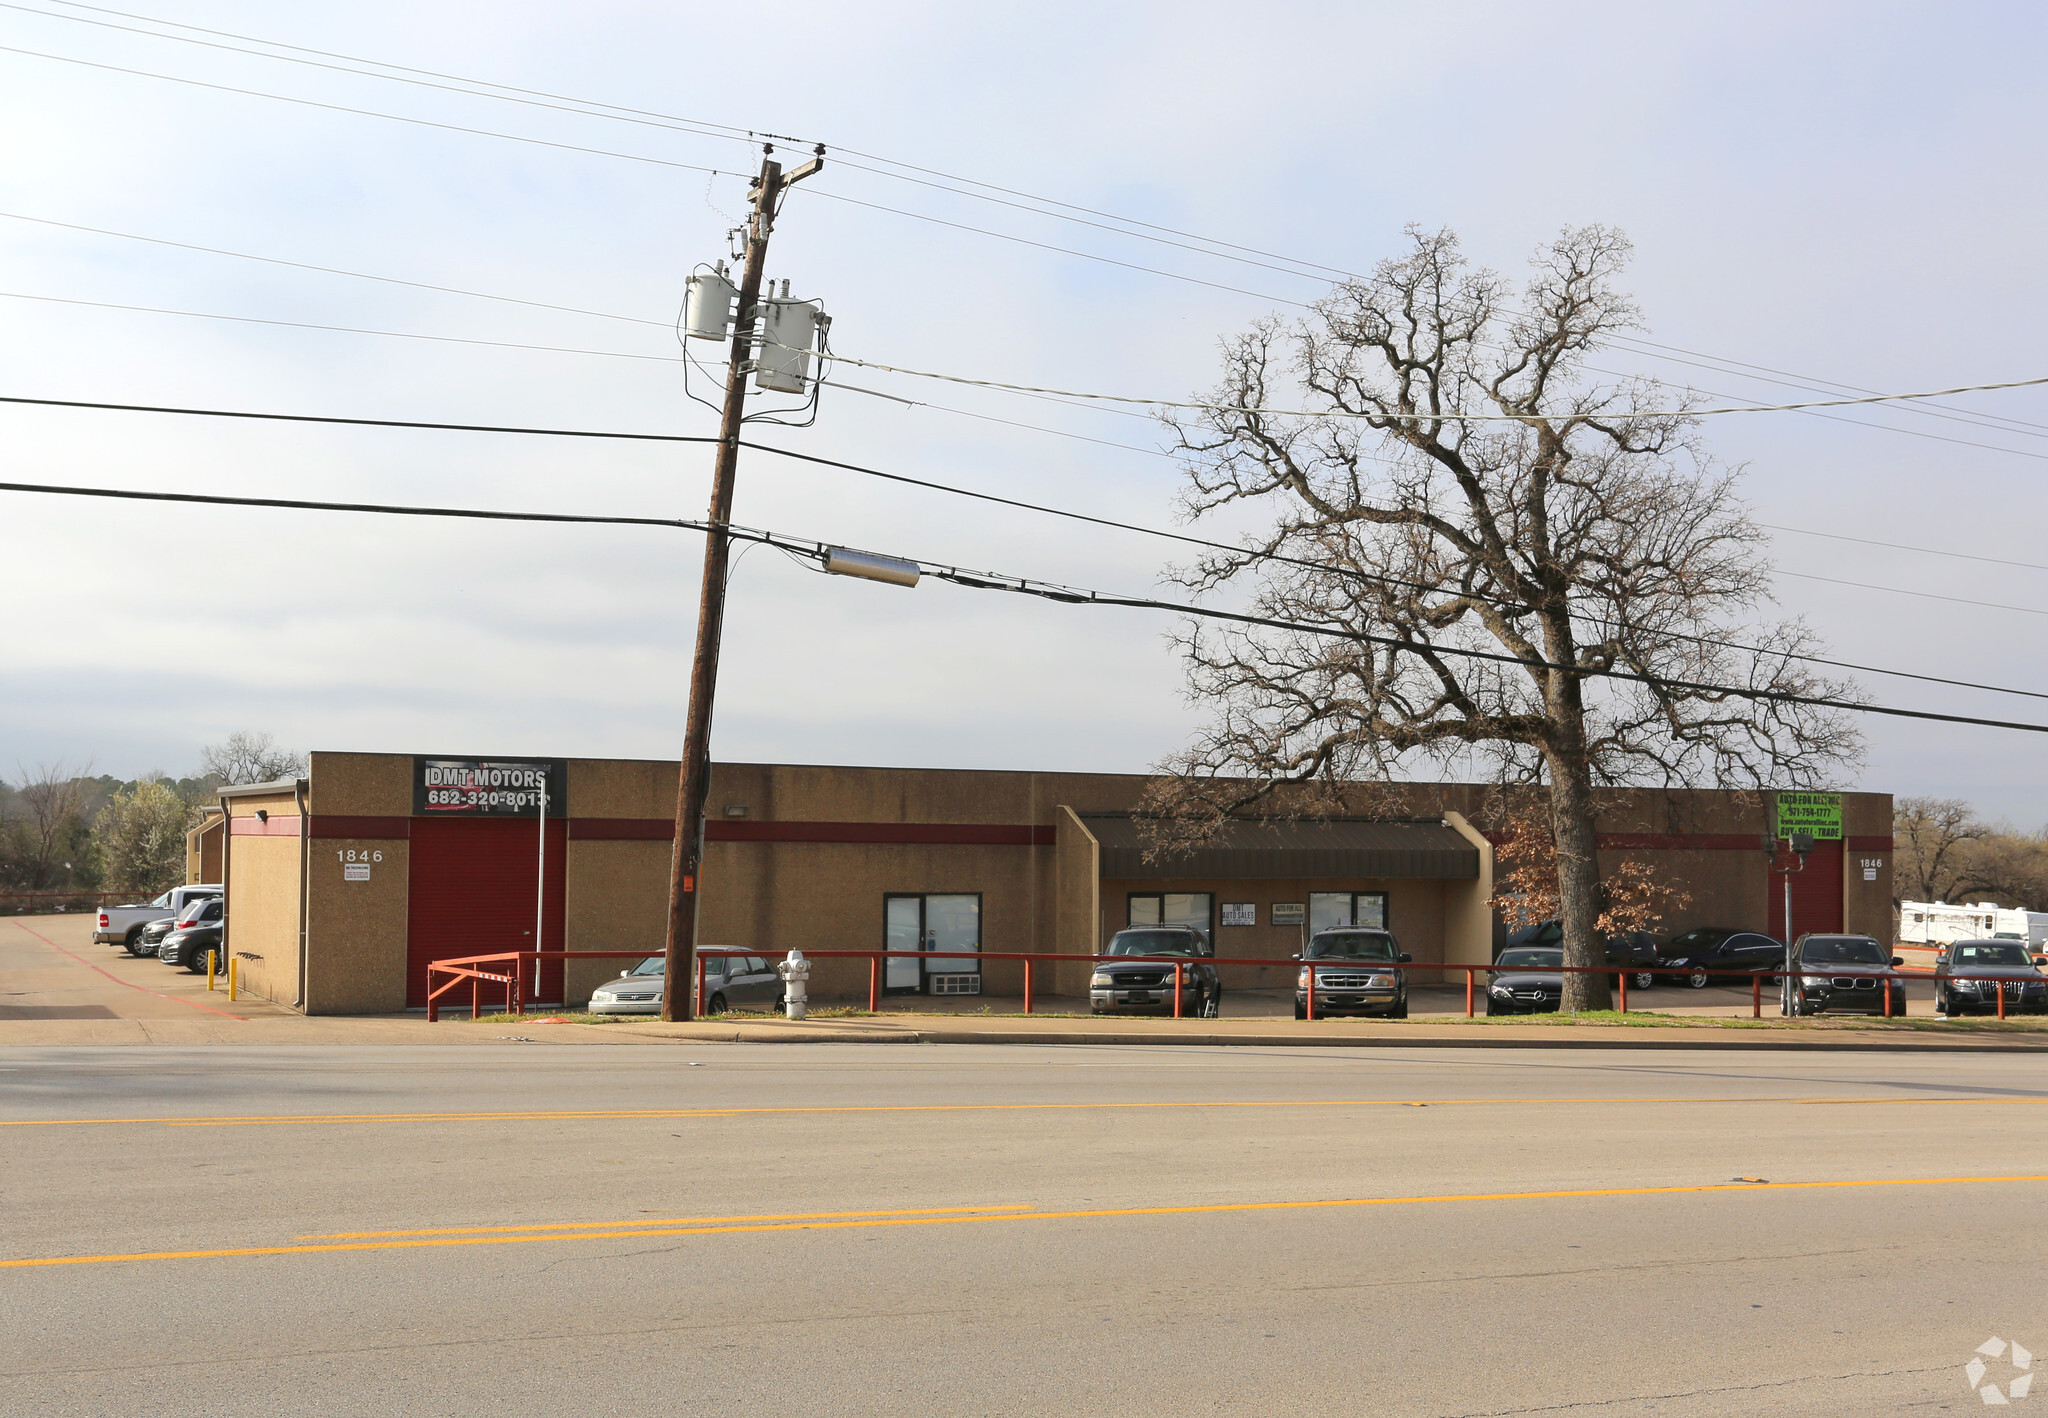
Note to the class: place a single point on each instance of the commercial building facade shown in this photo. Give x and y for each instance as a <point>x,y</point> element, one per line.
<point>344,885</point>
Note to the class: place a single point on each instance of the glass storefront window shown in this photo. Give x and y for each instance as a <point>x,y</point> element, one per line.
<point>1332,910</point>
<point>1174,908</point>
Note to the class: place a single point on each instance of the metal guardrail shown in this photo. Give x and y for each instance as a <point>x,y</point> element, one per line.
<point>512,973</point>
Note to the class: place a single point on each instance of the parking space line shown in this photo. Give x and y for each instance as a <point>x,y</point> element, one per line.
<point>999,1218</point>
<point>583,1114</point>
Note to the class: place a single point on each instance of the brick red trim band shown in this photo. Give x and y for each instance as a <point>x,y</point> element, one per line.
<point>621,829</point>
<point>380,829</point>
<point>1868,844</point>
<point>1682,841</point>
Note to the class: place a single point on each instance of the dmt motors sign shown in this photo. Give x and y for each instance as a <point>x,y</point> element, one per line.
<point>489,787</point>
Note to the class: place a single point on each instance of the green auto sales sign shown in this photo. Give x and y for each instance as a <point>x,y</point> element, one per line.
<point>1818,815</point>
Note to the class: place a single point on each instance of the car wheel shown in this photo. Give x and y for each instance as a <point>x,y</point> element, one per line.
<point>134,938</point>
<point>717,1005</point>
<point>1949,1005</point>
<point>195,961</point>
<point>1300,1010</point>
<point>1212,1007</point>
<point>1697,980</point>
<point>1643,980</point>
<point>1399,1011</point>
<point>136,947</point>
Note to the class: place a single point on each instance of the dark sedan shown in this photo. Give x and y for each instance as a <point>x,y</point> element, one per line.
<point>1717,953</point>
<point>1973,973</point>
<point>1632,951</point>
<point>1842,973</point>
<point>190,947</point>
<point>1529,980</point>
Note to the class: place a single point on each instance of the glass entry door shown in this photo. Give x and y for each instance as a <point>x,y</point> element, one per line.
<point>916,926</point>
<point>904,931</point>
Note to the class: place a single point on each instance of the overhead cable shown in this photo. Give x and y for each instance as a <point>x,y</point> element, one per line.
<point>951,490</point>
<point>1072,595</point>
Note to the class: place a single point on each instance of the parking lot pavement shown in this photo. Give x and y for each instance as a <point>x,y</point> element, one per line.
<point>824,1230</point>
<point>50,971</point>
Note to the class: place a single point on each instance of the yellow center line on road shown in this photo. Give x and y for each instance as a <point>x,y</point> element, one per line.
<point>595,1114</point>
<point>672,1221</point>
<point>992,1219</point>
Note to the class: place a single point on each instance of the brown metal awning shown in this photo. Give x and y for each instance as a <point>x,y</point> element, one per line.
<point>1246,850</point>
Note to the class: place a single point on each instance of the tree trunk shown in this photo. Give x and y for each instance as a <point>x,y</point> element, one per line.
<point>1573,827</point>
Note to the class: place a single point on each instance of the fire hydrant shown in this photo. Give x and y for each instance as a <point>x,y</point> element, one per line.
<point>794,970</point>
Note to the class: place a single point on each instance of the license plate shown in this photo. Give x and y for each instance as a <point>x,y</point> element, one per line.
<point>1140,997</point>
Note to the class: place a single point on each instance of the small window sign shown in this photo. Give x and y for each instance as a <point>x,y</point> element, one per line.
<point>355,871</point>
<point>1240,913</point>
<point>1289,913</point>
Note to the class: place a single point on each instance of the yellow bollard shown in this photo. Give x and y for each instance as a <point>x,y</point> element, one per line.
<point>212,959</point>
<point>233,977</point>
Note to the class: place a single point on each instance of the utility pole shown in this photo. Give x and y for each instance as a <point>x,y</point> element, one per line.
<point>685,885</point>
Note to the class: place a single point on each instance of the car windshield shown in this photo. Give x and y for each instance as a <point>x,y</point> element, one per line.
<point>1851,951</point>
<point>1978,953</point>
<point>1531,960</point>
<point>1352,945</point>
<point>1153,943</point>
<point>652,965</point>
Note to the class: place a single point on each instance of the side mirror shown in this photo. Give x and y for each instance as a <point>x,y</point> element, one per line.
<point>1403,958</point>
<point>1898,960</point>
<point>2041,960</point>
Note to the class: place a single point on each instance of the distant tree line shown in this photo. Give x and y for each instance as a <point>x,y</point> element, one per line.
<point>1942,851</point>
<point>64,829</point>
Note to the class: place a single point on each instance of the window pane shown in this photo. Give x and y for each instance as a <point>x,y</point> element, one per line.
<point>1327,910</point>
<point>905,917</point>
<point>1370,913</point>
<point>1187,908</point>
<point>952,923</point>
<point>1145,911</point>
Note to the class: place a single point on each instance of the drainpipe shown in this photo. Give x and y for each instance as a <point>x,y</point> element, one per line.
<point>305,880</point>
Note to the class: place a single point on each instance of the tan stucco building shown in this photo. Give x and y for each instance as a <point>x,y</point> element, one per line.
<point>343,885</point>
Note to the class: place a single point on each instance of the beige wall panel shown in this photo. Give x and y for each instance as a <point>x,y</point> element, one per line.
<point>1077,898</point>
<point>263,915</point>
<point>624,788</point>
<point>356,954</point>
<point>617,899</point>
<point>1468,905</point>
<point>360,784</point>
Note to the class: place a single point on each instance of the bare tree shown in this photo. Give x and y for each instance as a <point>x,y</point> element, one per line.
<point>1931,838</point>
<point>249,757</point>
<point>46,829</point>
<point>1450,479</point>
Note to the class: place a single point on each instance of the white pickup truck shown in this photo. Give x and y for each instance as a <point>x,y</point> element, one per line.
<point>119,925</point>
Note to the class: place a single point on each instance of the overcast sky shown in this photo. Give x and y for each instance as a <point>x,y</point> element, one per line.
<point>1846,192</point>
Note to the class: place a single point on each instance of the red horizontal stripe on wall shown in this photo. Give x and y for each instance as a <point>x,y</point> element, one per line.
<point>257,827</point>
<point>384,829</point>
<point>1868,844</point>
<point>949,834</point>
<point>621,829</point>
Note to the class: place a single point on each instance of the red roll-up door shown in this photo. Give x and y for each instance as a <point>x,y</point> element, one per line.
<point>1816,893</point>
<point>473,888</point>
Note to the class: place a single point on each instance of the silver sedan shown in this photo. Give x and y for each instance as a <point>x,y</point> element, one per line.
<point>729,980</point>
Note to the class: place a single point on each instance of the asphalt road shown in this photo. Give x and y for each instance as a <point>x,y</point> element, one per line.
<point>531,1229</point>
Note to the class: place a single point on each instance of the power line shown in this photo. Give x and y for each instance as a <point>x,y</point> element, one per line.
<point>332,270</point>
<point>990,497</point>
<point>335,329</point>
<point>361,112</point>
<point>992,581</point>
<point>1905,546</point>
<point>1923,595</point>
<point>1440,417</point>
<point>705,128</point>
